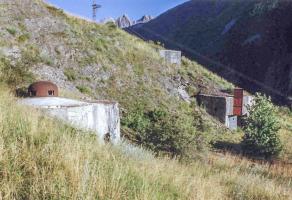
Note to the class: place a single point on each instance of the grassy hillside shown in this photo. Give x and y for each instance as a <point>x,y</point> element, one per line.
<point>99,60</point>
<point>43,159</point>
<point>40,42</point>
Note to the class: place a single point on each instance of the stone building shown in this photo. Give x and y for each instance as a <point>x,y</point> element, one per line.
<point>228,109</point>
<point>101,117</point>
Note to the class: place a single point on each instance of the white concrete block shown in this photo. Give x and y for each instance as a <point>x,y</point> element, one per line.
<point>101,117</point>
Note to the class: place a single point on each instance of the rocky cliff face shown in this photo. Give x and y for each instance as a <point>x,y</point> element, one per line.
<point>247,42</point>
<point>144,19</point>
<point>124,21</point>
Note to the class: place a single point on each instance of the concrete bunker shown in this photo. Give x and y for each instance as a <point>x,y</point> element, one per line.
<point>228,109</point>
<point>43,89</point>
<point>171,56</point>
<point>101,117</point>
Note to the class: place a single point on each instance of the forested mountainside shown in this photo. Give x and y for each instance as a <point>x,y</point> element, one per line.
<point>247,42</point>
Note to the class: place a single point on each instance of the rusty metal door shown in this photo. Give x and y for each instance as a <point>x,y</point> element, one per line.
<point>238,102</point>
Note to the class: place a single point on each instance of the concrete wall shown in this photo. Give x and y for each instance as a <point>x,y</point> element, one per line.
<point>100,117</point>
<point>220,107</point>
<point>170,56</point>
<point>214,105</point>
<point>229,105</point>
<point>231,122</point>
<point>247,101</point>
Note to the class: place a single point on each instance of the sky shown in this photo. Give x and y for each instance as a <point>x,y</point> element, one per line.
<point>135,9</point>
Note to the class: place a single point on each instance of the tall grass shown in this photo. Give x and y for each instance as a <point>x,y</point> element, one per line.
<point>41,158</point>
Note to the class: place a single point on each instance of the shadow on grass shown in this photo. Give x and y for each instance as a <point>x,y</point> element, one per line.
<point>236,149</point>
<point>233,148</point>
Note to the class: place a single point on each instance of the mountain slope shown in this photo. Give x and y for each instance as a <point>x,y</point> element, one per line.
<point>41,158</point>
<point>87,60</point>
<point>71,51</point>
<point>247,42</point>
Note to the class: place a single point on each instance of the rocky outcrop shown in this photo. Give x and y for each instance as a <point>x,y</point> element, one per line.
<point>144,19</point>
<point>124,21</point>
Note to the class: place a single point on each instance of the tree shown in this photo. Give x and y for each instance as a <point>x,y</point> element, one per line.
<point>261,128</point>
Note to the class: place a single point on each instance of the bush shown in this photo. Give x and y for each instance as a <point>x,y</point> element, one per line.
<point>30,55</point>
<point>23,38</point>
<point>100,44</point>
<point>261,129</point>
<point>46,59</point>
<point>70,74</point>
<point>84,89</point>
<point>11,30</point>
<point>164,131</point>
<point>111,25</point>
<point>14,75</point>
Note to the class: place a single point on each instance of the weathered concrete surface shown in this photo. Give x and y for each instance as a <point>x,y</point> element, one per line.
<point>218,106</point>
<point>231,122</point>
<point>247,101</point>
<point>171,57</point>
<point>222,108</point>
<point>102,117</point>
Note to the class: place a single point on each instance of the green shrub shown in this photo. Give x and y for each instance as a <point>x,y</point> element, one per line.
<point>14,75</point>
<point>46,59</point>
<point>100,44</point>
<point>23,38</point>
<point>70,74</point>
<point>111,25</point>
<point>165,131</point>
<point>261,128</point>
<point>12,31</point>
<point>30,55</point>
<point>84,89</point>
<point>137,120</point>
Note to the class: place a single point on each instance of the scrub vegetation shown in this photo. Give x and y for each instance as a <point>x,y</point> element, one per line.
<point>41,158</point>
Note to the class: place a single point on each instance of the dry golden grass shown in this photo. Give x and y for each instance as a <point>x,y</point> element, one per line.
<point>285,116</point>
<point>44,159</point>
